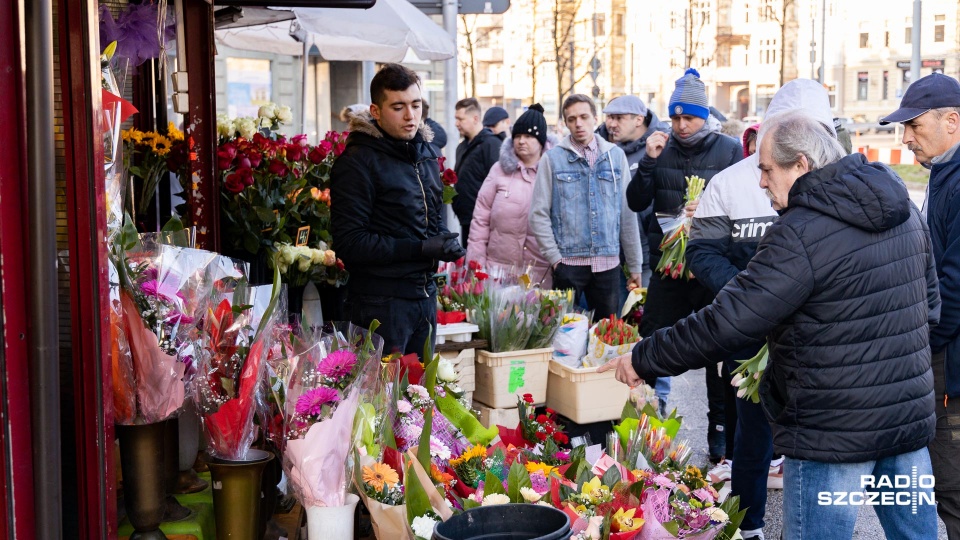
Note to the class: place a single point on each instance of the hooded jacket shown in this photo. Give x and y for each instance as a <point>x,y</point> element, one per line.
<point>386,199</point>
<point>500,232</point>
<point>844,288</point>
<point>439,141</point>
<point>474,160</point>
<point>943,215</point>
<point>734,211</point>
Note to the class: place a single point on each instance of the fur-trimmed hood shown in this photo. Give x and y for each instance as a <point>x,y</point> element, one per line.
<point>363,122</point>
<point>508,157</point>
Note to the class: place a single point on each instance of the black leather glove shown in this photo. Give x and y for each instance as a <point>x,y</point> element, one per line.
<point>444,247</point>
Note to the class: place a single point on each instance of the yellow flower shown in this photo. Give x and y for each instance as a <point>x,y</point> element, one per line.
<point>475,451</point>
<point>132,134</point>
<point>533,467</point>
<point>160,145</point>
<point>379,475</point>
<point>624,521</point>
<point>173,133</point>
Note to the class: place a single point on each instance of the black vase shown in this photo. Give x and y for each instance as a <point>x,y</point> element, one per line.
<point>295,302</point>
<point>141,461</point>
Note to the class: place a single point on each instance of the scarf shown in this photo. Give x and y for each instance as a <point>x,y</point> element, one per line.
<point>712,125</point>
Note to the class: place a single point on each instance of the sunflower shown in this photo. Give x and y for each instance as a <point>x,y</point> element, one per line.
<point>476,451</point>
<point>380,474</point>
<point>160,145</point>
<point>173,133</point>
<point>132,134</point>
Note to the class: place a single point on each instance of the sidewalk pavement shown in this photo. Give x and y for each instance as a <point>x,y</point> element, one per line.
<point>689,396</point>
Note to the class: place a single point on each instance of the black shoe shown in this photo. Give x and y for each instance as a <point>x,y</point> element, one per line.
<point>717,442</point>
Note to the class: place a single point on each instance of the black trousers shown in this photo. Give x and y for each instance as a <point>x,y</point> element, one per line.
<point>945,452</point>
<point>600,289</point>
<point>405,324</point>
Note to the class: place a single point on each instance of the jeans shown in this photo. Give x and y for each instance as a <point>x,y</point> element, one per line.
<point>600,289</point>
<point>821,500</point>
<point>405,324</point>
<point>945,452</point>
<point>752,451</point>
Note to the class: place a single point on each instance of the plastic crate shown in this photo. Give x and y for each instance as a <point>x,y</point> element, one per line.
<point>585,396</point>
<point>501,377</point>
<point>491,416</point>
<point>457,332</point>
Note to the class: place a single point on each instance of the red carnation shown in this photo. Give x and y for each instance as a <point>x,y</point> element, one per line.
<point>541,435</point>
<point>551,412</point>
<point>561,438</point>
<point>542,419</point>
<point>526,397</point>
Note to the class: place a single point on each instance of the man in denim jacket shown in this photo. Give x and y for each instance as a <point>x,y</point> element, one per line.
<point>579,212</point>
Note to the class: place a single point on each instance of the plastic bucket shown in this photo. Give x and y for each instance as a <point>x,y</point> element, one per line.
<point>506,522</point>
<point>332,522</point>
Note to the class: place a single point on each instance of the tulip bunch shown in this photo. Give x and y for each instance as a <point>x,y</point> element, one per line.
<point>673,262</point>
<point>614,331</point>
<point>746,378</point>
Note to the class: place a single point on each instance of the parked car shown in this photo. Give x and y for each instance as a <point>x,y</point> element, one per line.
<point>889,128</point>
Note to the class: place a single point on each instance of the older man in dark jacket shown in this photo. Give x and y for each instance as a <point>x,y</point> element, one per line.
<point>844,288</point>
<point>386,199</point>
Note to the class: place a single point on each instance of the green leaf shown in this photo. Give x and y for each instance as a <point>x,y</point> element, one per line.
<point>672,527</point>
<point>492,484</point>
<point>624,428</point>
<point>423,450</point>
<point>517,478</point>
<point>469,503</point>
<point>611,477</point>
<point>129,237</point>
<point>266,215</point>
<point>173,225</point>
<point>418,503</point>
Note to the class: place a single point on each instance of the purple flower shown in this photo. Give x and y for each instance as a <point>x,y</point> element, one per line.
<point>179,318</point>
<point>312,402</point>
<point>539,482</point>
<point>337,364</point>
<point>703,494</point>
<point>562,456</point>
<point>663,481</point>
<point>158,290</point>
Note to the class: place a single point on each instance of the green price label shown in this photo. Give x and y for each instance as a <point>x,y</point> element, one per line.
<point>517,369</point>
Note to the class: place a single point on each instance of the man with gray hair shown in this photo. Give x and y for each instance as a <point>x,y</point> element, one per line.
<point>930,114</point>
<point>843,287</point>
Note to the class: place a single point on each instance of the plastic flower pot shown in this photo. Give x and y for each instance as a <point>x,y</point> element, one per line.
<point>236,495</point>
<point>506,522</point>
<point>332,522</point>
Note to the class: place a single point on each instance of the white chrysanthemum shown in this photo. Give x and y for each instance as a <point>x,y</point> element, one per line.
<point>495,498</point>
<point>717,515</point>
<point>530,495</point>
<point>423,526</point>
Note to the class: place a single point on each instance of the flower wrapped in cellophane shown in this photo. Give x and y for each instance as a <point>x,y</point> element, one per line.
<point>515,311</point>
<point>331,381</point>
<point>155,307</point>
<point>551,307</point>
<point>231,362</point>
<point>676,234</point>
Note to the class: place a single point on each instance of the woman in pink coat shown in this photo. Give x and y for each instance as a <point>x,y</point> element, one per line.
<point>499,235</point>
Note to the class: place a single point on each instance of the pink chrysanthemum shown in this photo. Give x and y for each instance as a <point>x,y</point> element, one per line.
<point>337,364</point>
<point>312,402</point>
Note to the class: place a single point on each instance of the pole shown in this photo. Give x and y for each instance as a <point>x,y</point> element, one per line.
<point>813,46</point>
<point>450,8</point>
<point>42,266</point>
<point>573,77</point>
<point>915,59</point>
<point>823,42</point>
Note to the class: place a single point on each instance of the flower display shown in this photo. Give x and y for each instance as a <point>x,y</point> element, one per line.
<point>148,155</point>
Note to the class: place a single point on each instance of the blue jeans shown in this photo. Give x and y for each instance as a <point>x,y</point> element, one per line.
<point>405,324</point>
<point>821,500</point>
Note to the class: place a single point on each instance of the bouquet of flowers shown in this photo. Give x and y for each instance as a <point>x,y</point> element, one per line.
<point>649,442</point>
<point>679,503</point>
<point>746,378</point>
<point>610,338</point>
<point>302,264</point>
<point>328,385</point>
<point>553,305</point>
<point>148,155</point>
<point>676,232</point>
<point>511,323</point>
<point>155,309</point>
<point>449,179</point>
<point>231,366</point>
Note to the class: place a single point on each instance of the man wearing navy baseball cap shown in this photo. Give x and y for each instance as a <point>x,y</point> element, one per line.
<point>930,114</point>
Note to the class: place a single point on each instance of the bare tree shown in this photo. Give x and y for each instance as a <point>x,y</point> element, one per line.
<point>468,65</point>
<point>786,18</point>
<point>699,19</point>
<point>564,49</point>
<point>535,59</point>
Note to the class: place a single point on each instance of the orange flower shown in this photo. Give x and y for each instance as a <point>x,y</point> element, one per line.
<point>440,476</point>
<point>379,475</point>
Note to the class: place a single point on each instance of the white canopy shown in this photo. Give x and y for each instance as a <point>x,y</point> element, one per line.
<point>383,33</point>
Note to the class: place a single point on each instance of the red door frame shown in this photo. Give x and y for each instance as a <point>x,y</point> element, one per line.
<point>16,458</point>
<point>89,285</point>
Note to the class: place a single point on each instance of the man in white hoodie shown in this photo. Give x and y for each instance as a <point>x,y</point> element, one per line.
<point>733,215</point>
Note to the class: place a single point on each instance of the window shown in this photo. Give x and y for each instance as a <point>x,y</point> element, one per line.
<point>768,51</point>
<point>864,40</point>
<point>249,85</point>
<point>938,33</point>
<point>863,83</point>
<point>618,24</point>
<point>599,21</point>
<point>766,11</point>
<point>886,84</point>
<point>886,39</point>
<point>723,56</point>
<point>908,35</point>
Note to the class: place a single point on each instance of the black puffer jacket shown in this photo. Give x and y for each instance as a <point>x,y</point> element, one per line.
<point>386,198</point>
<point>474,160</point>
<point>662,180</point>
<point>844,288</point>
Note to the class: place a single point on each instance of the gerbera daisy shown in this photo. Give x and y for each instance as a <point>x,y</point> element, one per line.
<point>337,364</point>
<point>312,402</point>
<point>379,475</point>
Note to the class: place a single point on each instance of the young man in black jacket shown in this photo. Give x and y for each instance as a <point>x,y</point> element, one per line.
<point>477,153</point>
<point>386,200</point>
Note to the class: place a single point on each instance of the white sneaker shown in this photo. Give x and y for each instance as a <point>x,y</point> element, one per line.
<point>775,476</point>
<point>721,472</point>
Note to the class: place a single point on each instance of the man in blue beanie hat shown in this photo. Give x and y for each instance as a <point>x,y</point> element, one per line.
<point>695,147</point>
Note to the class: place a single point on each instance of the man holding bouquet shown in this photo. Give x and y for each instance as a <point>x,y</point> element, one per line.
<point>386,201</point>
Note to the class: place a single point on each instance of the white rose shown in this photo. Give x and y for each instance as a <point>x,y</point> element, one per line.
<point>445,371</point>
<point>304,264</point>
<point>316,256</point>
<point>529,495</point>
<point>267,111</point>
<point>423,526</point>
<point>247,127</point>
<point>225,126</point>
<point>284,115</point>
<point>495,498</point>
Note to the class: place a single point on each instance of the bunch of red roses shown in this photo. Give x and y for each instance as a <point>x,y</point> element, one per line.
<point>540,427</point>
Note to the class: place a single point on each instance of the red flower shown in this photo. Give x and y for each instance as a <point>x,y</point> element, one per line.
<point>332,136</point>
<point>234,183</point>
<point>542,419</point>
<point>449,177</point>
<point>246,175</point>
<point>294,152</point>
<point>481,275</point>
<point>339,149</point>
<point>542,436</point>
<point>299,139</point>
<point>440,161</point>
<point>561,438</point>
<point>550,429</point>
<point>255,158</point>
<point>340,265</point>
<point>526,397</point>
<point>551,412</point>
<point>318,154</point>
<point>277,168</point>
<point>475,266</point>
<point>243,162</point>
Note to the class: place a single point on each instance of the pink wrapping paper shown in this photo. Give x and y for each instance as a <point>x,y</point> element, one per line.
<point>160,389</point>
